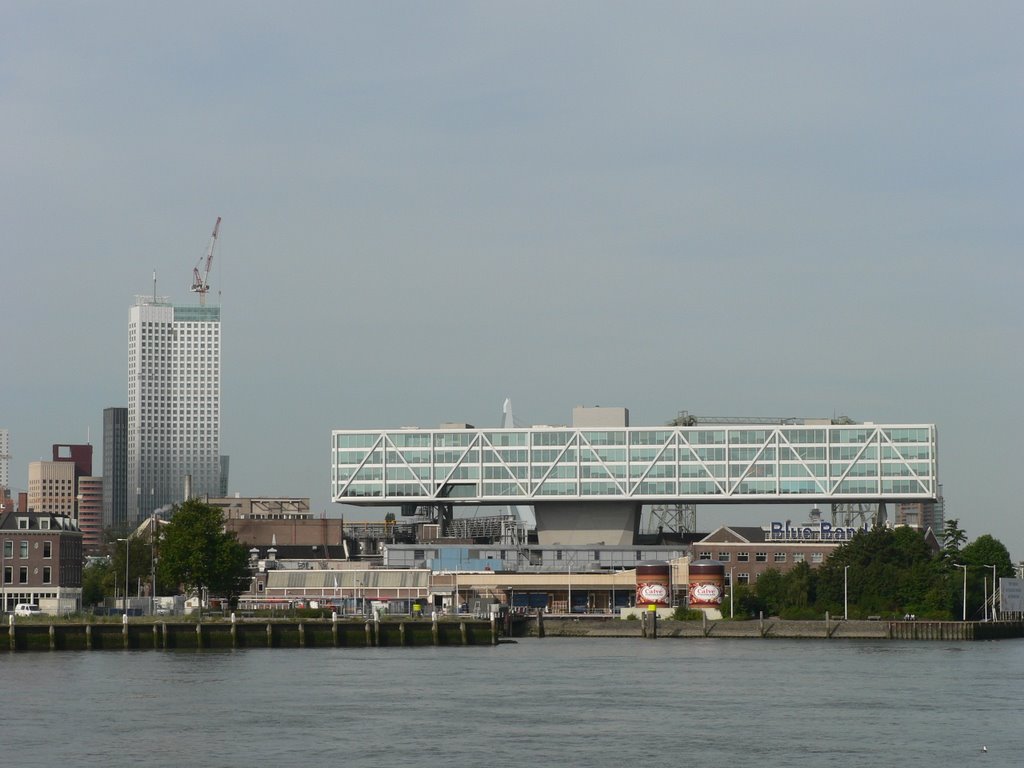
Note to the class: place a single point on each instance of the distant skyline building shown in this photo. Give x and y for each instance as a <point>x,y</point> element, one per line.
<point>923,514</point>
<point>80,455</point>
<point>173,404</point>
<point>90,512</point>
<point>51,488</point>
<point>5,458</point>
<point>115,468</point>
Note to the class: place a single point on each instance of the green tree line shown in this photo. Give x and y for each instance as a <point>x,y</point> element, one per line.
<point>884,572</point>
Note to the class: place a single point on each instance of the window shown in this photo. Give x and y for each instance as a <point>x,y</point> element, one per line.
<point>780,557</point>
<point>23,550</point>
<point>742,578</point>
<point>704,556</point>
<point>742,557</point>
<point>8,574</point>
<point>22,523</point>
<point>725,557</point>
<point>47,549</point>
<point>798,557</point>
<point>817,557</point>
<point>761,557</point>
<point>8,548</point>
<point>47,571</point>
<point>23,575</point>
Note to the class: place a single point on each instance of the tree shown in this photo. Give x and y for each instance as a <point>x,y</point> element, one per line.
<point>980,555</point>
<point>891,571</point>
<point>96,580</point>
<point>197,553</point>
<point>953,538</point>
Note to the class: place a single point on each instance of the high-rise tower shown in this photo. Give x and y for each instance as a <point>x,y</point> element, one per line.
<point>173,403</point>
<point>115,468</point>
<point>5,459</point>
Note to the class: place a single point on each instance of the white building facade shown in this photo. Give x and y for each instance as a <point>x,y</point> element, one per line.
<point>5,459</point>
<point>173,403</point>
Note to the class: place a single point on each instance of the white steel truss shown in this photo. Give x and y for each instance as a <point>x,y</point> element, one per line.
<point>738,463</point>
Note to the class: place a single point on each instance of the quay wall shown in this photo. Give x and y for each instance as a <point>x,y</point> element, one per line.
<point>548,626</point>
<point>145,635</point>
<point>320,633</point>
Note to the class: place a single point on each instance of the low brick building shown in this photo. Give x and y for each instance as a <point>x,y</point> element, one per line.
<point>41,561</point>
<point>749,551</point>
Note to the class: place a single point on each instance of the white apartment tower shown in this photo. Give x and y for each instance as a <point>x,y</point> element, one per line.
<point>5,459</point>
<point>173,403</point>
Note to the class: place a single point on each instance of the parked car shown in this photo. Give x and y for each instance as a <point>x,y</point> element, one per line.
<point>27,609</point>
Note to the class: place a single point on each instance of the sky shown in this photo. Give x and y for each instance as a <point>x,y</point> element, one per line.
<point>745,209</point>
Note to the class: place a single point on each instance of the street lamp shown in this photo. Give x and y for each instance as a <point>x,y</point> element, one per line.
<point>846,612</point>
<point>3,573</point>
<point>993,591</point>
<point>152,565</point>
<point>965,588</point>
<point>569,576</point>
<point>732,588</point>
<point>125,540</point>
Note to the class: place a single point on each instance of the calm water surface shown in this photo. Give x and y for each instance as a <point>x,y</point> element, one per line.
<point>571,702</point>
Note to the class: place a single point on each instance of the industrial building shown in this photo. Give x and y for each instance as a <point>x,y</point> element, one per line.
<point>587,483</point>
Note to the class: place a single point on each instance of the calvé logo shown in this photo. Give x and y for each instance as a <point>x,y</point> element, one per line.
<point>653,593</point>
<point>705,593</point>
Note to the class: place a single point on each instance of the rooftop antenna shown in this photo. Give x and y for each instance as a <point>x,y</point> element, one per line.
<point>154,286</point>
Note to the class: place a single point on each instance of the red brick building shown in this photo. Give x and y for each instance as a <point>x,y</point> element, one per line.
<point>40,561</point>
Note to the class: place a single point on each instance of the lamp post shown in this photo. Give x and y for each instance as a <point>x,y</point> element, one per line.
<point>965,588</point>
<point>3,575</point>
<point>152,565</point>
<point>732,589</point>
<point>846,604</point>
<point>993,567</point>
<point>125,540</point>
<point>570,589</point>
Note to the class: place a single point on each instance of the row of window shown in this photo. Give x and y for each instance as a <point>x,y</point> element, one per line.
<point>725,556</point>
<point>23,548</point>
<point>23,574</point>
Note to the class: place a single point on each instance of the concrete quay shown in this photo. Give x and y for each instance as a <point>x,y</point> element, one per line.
<point>36,635</point>
<point>769,628</point>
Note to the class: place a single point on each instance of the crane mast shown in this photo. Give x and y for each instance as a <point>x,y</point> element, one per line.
<point>200,280</point>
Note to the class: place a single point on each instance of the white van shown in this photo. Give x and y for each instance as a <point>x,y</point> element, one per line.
<point>27,609</point>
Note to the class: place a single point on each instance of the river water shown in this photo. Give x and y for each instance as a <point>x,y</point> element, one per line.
<point>560,702</point>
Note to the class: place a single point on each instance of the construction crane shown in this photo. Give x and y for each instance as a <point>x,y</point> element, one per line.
<point>200,281</point>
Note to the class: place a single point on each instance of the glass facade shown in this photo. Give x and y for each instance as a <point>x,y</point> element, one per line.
<point>738,463</point>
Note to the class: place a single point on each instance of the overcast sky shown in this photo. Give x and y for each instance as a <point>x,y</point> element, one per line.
<point>778,209</point>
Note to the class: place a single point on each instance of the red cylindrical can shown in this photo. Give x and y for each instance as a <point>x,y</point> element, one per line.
<point>707,584</point>
<point>653,583</point>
